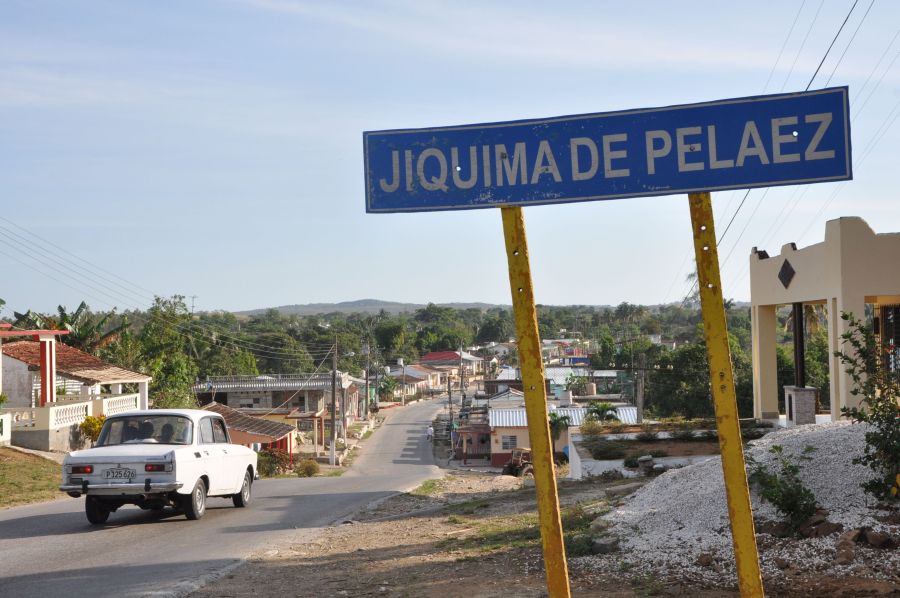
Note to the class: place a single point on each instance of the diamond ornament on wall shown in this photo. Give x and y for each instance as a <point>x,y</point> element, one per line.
<point>786,274</point>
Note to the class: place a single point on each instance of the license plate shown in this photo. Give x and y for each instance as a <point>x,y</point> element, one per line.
<point>119,474</point>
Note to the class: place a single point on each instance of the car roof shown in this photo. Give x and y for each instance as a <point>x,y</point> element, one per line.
<point>194,414</point>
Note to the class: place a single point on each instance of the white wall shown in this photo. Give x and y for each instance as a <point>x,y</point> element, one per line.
<point>5,429</point>
<point>17,383</point>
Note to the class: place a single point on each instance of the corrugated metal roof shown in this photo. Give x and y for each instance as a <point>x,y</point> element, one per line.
<point>236,420</point>
<point>72,363</point>
<point>517,418</point>
<point>557,374</point>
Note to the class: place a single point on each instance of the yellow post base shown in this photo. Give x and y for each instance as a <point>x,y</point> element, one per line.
<point>532,366</point>
<point>721,380</point>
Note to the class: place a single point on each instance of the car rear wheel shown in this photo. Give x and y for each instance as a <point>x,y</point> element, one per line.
<point>242,498</point>
<point>194,504</point>
<point>97,512</point>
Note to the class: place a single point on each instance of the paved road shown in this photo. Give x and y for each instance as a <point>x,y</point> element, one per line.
<point>50,549</point>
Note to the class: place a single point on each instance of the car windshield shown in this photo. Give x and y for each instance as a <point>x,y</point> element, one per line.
<point>153,429</point>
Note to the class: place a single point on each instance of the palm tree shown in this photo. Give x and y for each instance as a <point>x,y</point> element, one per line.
<point>387,387</point>
<point>602,412</point>
<point>558,423</point>
<point>86,332</point>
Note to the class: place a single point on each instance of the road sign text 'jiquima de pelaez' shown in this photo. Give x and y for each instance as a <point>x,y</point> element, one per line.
<point>760,141</point>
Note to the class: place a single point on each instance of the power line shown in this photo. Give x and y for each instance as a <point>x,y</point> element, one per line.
<point>849,43</point>
<point>117,296</point>
<point>831,45</point>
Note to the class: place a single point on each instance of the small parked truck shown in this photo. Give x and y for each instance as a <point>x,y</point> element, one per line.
<point>519,463</point>
<point>160,458</point>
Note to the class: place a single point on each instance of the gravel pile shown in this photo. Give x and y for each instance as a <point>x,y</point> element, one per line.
<point>678,524</point>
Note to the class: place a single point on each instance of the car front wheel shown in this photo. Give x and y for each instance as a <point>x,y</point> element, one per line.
<point>242,498</point>
<point>97,512</point>
<point>194,504</point>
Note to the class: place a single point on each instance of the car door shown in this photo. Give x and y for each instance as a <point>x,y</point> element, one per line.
<point>232,468</point>
<point>212,455</point>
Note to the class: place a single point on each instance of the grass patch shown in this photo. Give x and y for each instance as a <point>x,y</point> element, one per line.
<point>334,473</point>
<point>470,506</point>
<point>367,434</point>
<point>27,478</point>
<point>524,531</point>
<point>428,488</point>
<point>456,520</point>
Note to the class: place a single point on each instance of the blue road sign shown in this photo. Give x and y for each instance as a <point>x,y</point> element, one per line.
<point>762,141</point>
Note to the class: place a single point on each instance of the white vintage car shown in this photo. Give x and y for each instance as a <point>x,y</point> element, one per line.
<point>158,458</point>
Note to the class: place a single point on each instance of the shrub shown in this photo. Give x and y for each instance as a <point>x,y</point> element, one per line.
<point>879,409</point>
<point>3,399</point>
<point>306,468</point>
<point>647,434</point>
<point>613,427</point>
<point>684,434</point>
<point>591,427</point>
<point>91,426</point>
<point>657,453</point>
<point>272,462</point>
<point>752,433</point>
<point>631,462</point>
<point>610,475</point>
<point>709,435</point>
<point>783,488</point>
<point>606,449</point>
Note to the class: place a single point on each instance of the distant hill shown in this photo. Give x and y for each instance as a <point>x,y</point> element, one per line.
<point>365,306</point>
<point>373,306</point>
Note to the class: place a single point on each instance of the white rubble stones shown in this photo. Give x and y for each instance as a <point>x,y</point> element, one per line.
<point>678,520</point>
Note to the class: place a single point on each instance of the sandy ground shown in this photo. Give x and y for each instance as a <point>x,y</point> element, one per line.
<point>413,545</point>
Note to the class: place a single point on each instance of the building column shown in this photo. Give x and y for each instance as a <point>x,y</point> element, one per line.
<point>841,383</point>
<point>115,389</point>
<point>48,369</point>
<point>765,363</point>
<point>144,394</point>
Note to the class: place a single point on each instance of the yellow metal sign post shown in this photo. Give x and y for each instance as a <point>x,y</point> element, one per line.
<point>721,380</point>
<point>533,385</point>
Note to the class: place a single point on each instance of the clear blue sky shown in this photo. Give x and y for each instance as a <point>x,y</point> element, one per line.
<point>214,148</point>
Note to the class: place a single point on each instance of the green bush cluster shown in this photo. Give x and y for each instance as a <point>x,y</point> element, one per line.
<point>306,468</point>
<point>879,394</point>
<point>684,434</point>
<point>272,461</point>
<point>783,488</point>
<point>606,449</point>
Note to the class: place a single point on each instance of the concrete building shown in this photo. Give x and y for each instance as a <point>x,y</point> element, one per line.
<point>852,268</point>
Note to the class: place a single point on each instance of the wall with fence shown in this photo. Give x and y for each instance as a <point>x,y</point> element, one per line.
<point>55,427</point>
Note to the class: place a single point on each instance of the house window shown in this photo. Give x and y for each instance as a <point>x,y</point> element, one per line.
<point>508,443</point>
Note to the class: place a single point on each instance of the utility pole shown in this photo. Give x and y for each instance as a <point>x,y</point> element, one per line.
<point>639,392</point>
<point>449,397</point>
<point>402,364</point>
<point>366,403</point>
<point>332,457</point>
<point>344,414</point>
<point>462,374</point>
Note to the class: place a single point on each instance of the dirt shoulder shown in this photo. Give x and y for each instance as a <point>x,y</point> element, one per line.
<point>468,534</point>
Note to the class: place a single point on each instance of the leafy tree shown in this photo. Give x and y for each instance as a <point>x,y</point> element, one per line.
<point>683,389</point>
<point>577,384</point>
<point>164,341</point>
<point>879,393</point>
<point>283,354</point>
<point>387,387</point>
